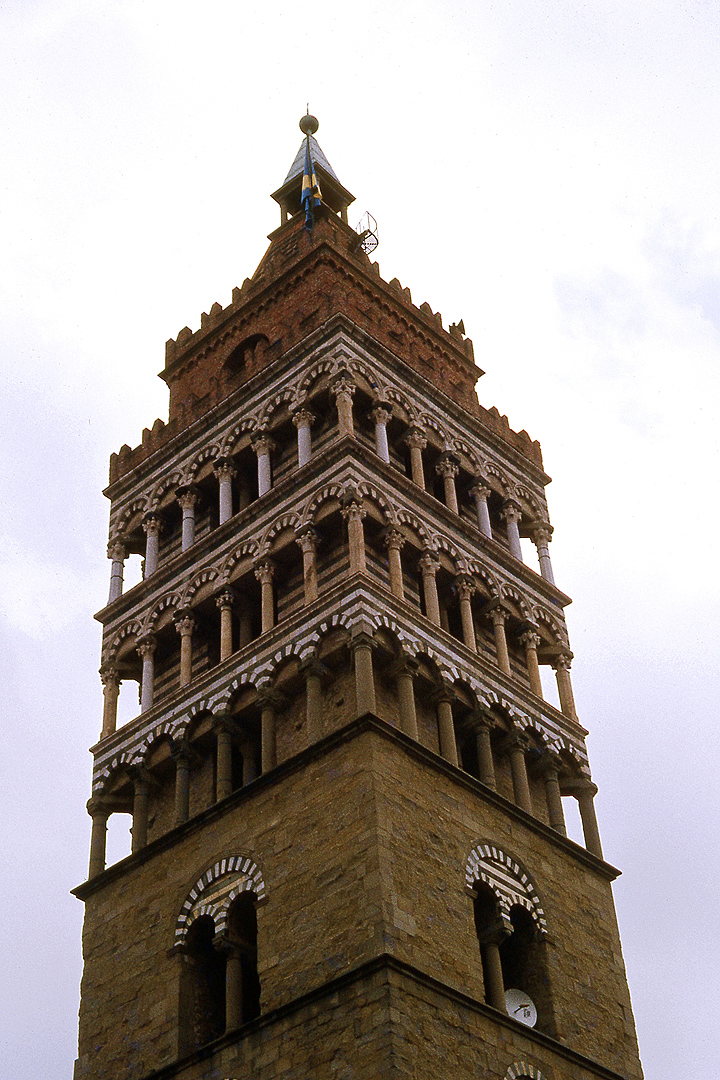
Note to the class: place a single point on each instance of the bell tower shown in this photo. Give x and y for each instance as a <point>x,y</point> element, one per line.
<point>347,783</point>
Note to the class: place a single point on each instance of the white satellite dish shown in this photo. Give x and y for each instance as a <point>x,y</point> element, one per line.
<point>521,1007</point>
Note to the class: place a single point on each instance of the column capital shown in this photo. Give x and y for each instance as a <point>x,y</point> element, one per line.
<point>496,610</point>
<point>187,496</point>
<point>302,417</point>
<point>343,383</point>
<point>530,638</point>
<point>224,469</point>
<point>480,488</point>
<point>224,722</point>
<point>541,533</point>
<point>482,720</point>
<point>145,646</point>
<point>404,664</point>
<point>444,692</point>
<point>312,666</point>
<point>465,586</point>
<point>548,764</point>
<point>495,933</point>
<point>97,807</point>
<point>268,696</point>
<point>110,676</point>
<point>264,570</point>
<point>448,466</point>
<point>562,659</point>
<point>225,598</point>
<point>429,563</point>
<point>353,510</point>
<point>152,522</point>
<point>117,551</point>
<point>579,785</point>
<point>306,536</point>
<point>393,538</point>
<point>416,439</point>
<point>515,739</point>
<point>262,443</point>
<point>184,622</point>
<point>362,633</point>
<point>511,510</point>
<point>381,414</point>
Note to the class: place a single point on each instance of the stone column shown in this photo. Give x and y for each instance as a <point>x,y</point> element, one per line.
<point>225,473</point>
<point>146,650</point>
<point>140,810</point>
<point>492,968</point>
<point>99,814</point>
<point>249,769</point>
<point>181,755</point>
<point>561,665</point>
<point>417,443</point>
<point>361,643</point>
<point>448,468</point>
<point>118,553</point>
<point>394,541</point>
<point>429,566</point>
<point>313,671</point>
<point>245,623</point>
<point>466,588</point>
<point>381,417</point>
<point>541,536</point>
<point>343,387</point>
<point>111,689</point>
<point>531,640</point>
<point>549,767</point>
<point>233,987</point>
<point>480,493</point>
<point>511,514</point>
<point>263,445</point>
<point>264,572</point>
<point>353,511</point>
<point>486,765</point>
<point>268,740</point>
<point>302,419</point>
<point>185,624</point>
<point>224,602</point>
<point>498,615</point>
<point>307,538</point>
<point>404,670</point>
<point>223,761</point>
<point>446,728</point>
<point>585,791</point>
<point>151,526</point>
<point>187,497</point>
<point>516,745</point>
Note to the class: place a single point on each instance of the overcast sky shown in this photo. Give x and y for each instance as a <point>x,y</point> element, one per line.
<point>547,171</point>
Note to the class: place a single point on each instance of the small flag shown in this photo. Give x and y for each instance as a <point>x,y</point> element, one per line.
<point>310,197</point>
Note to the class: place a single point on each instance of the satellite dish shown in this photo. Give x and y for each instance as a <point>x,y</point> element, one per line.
<point>366,229</point>
<point>521,1007</point>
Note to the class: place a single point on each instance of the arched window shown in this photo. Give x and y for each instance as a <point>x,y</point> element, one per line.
<point>511,930</point>
<point>202,1013</point>
<point>243,984</point>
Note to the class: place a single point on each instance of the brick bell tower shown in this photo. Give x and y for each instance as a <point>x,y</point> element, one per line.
<point>349,856</point>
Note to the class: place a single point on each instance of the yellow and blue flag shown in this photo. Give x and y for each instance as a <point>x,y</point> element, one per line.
<point>310,197</point>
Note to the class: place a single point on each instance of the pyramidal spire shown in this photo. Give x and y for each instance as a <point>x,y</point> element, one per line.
<point>311,171</point>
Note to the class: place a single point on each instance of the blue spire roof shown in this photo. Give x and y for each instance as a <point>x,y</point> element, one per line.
<point>296,169</point>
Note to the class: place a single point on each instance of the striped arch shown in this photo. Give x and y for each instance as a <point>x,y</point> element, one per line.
<point>561,746</point>
<point>524,495</point>
<point>280,524</point>
<point>131,629</point>
<point>213,893</point>
<point>167,729</point>
<point>267,670</point>
<point>230,441</point>
<point>150,622</point>
<point>512,594</point>
<point>313,374</point>
<point>428,539</point>
<point>553,626</point>
<point>430,424</point>
<point>519,1070</point>
<point>332,490</point>
<point>489,580</point>
<point>172,480</point>
<point>208,453</point>
<point>492,472</point>
<point>361,369</point>
<point>464,450</point>
<point>410,645</point>
<point>205,577</point>
<point>458,559</point>
<point>248,550</point>
<point>102,779</point>
<point>375,495</point>
<point>283,397</point>
<point>395,395</point>
<point>508,880</point>
<point>137,506</point>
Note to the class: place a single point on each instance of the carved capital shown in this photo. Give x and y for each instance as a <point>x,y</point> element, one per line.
<point>303,418</point>
<point>307,538</point>
<point>563,659</point>
<point>225,599</point>
<point>549,764</point>
<point>184,623</point>
<point>187,497</point>
<point>516,739</point>
<point>381,414</point>
<point>152,523</point>
<point>353,511</point>
<point>511,511</point>
<point>117,551</point>
<point>447,467</point>
<point>110,676</point>
<point>146,646</point>
<point>393,539</point>
<point>416,439</point>
<point>98,808</point>
<point>542,534</point>
<point>496,611</point>
<point>530,639</point>
<point>343,385</point>
<point>265,571</point>
<point>262,443</point>
<point>480,491</point>
<point>224,469</point>
<point>429,564</point>
<point>465,587</point>
<point>444,692</point>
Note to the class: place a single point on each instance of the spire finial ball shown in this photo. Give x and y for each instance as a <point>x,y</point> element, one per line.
<point>309,125</point>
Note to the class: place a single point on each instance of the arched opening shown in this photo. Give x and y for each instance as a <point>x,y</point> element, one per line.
<point>523,963</point>
<point>202,996</point>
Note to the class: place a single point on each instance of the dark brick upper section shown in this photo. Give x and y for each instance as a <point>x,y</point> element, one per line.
<point>303,280</point>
